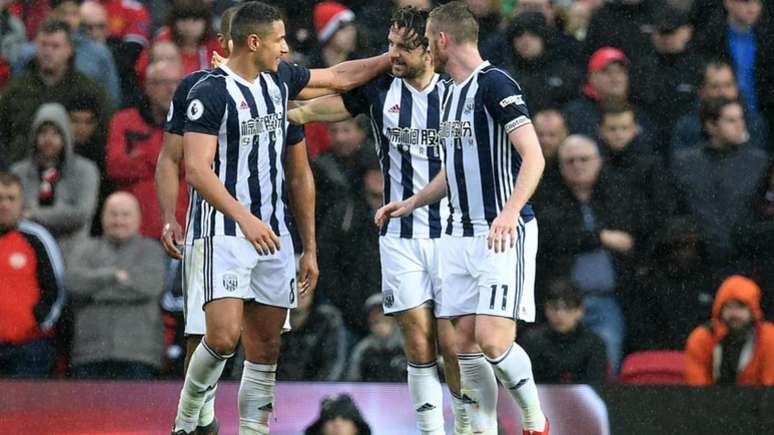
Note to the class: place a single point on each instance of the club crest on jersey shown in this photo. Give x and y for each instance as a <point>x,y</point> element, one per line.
<point>230,281</point>
<point>513,99</point>
<point>276,99</point>
<point>469,106</point>
<point>195,110</point>
<point>389,299</point>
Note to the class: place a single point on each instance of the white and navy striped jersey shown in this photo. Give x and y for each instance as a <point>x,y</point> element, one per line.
<point>405,123</point>
<point>481,163</point>
<point>250,121</point>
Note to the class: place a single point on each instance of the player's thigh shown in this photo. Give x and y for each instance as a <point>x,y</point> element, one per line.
<point>495,334</point>
<point>406,283</point>
<point>506,279</point>
<point>193,290</point>
<point>419,334</point>
<point>273,279</point>
<point>459,288</point>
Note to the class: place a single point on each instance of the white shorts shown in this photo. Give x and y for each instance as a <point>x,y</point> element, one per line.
<point>410,273</point>
<point>478,281</point>
<point>229,267</point>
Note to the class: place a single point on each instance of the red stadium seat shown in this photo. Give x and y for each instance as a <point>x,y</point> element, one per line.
<point>654,367</point>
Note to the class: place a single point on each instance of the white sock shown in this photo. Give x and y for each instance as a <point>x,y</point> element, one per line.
<point>427,395</point>
<point>203,373</point>
<point>479,392</point>
<point>256,397</point>
<point>461,418</point>
<point>514,370</point>
<point>207,413</point>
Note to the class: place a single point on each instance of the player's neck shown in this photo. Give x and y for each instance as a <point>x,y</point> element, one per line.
<point>462,62</point>
<point>243,66</point>
<point>423,80</point>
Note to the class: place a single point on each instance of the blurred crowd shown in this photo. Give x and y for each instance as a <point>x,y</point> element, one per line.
<point>654,117</point>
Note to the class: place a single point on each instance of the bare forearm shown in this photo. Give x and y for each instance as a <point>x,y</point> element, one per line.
<point>432,193</point>
<point>531,170</point>
<point>212,190</point>
<point>302,202</point>
<point>325,109</point>
<point>167,186</point>
<point>354,73</point>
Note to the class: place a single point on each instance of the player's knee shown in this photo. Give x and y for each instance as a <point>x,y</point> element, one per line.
<point>223,342</point>
<point>492,346</point>
<point>419,348</point>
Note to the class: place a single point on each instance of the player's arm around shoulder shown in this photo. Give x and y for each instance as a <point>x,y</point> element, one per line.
<point>329,108</point>
<point>348,75</point>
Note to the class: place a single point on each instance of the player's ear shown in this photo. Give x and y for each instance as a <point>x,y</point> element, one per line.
<point>253,42</point>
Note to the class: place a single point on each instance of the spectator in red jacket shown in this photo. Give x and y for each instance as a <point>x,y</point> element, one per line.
<point>737,345</point>
<point>31,284</point>
<point>134,143</point>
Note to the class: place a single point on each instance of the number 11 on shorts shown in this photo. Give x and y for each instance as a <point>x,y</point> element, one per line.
<point>494,296</point>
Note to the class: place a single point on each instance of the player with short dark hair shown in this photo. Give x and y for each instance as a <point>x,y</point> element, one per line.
<point>405,111</point>
<point>493,165</point>
<point>242,254</point>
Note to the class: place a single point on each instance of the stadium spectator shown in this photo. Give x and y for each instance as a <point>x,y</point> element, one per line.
<point>755,238</point>
<point>702,175</point>
<point>487,12</point>
<point>349,247</point>
<point>189,26</point>
<point>12,34</point>
<point>32,14</point>
<point>336,33</point>
<point>91,58</point>
<point>50,77</point>
<point>737,345</point>
<point>641,176</point>
<point>551,131</point>
<point>664,82</point>
<point>339,171</point>
<point>60,187</point>
<point>608,83</point>
<point>717,80</point>
<point>623,24</point>
<point>315,349</point>
<point>677,292</point>
<point>116,281</point>
<point>89,134</point>
<point>339,416</point>
<point>588,236</point>
<point>379,356</point>
<point>568,352</point>
<point>31,282</point>
<point>739,36</point>
<point>134,143</point>
<point>94,21</point>
<point>547,77</point>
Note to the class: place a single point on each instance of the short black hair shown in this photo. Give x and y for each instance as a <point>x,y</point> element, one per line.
<point>563,290</point>
<point>711,108</point>
<point>615,108</point>
<point>55,26</point>
<point>456,20</point>
<point>252,18</point>
<point>414,21</point>
<point>10,179</point>
<point>88,102</point>
<point>713,64</point>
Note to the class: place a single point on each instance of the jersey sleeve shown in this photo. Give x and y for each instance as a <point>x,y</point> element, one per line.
<point>204,107</point>
<point>295,76</point>
<point>295,134</point>
<point>176,116</point>
<point>504,100</point>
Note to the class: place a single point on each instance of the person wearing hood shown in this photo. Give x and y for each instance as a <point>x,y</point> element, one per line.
<point>60,187</point>
<point>737,345</point>
<point>547,77</point>
<point>608,83</point>
<point>378,357</point>
<point>50,77</point>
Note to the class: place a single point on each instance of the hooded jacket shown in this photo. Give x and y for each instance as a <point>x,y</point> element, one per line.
<point>704,348</point>
<point>69,217</point>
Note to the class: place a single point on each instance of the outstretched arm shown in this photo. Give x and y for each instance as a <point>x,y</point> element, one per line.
<point>324,109</point>
<point>348,75</point>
